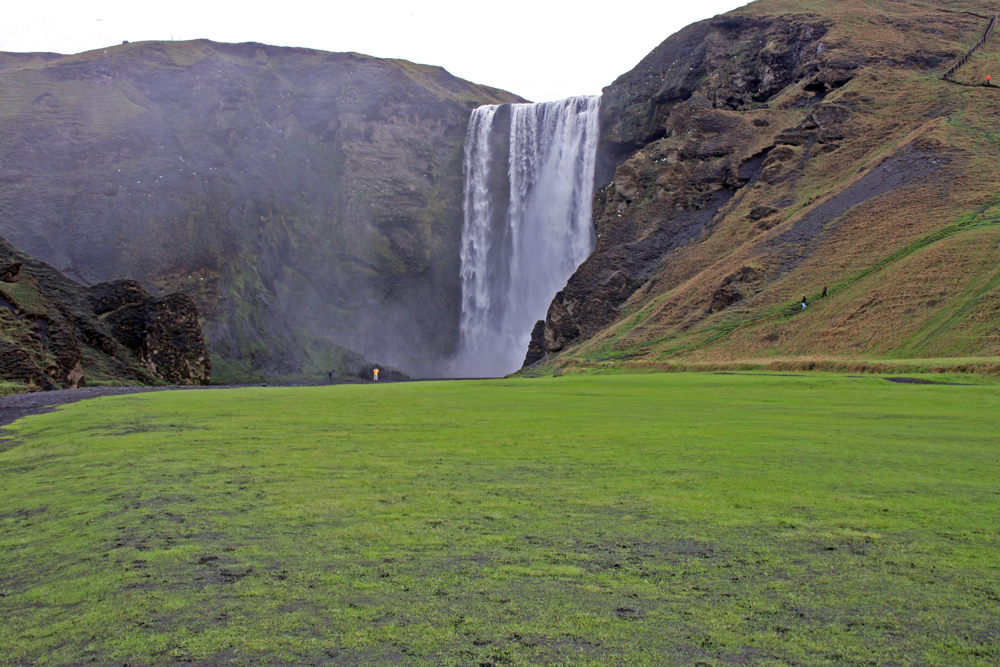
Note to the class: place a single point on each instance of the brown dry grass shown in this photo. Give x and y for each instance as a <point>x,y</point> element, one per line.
<point>900,287</point>
<point>981,366</point>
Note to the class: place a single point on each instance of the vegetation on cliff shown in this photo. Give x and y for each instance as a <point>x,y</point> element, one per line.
<point>796,149</point>
<point>56,333</point>
<point>304,200</point>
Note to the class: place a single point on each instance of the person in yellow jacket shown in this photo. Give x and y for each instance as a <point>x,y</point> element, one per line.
<point>375,374</point>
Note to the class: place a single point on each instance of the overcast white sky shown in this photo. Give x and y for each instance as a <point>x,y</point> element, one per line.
<point>541,49</point>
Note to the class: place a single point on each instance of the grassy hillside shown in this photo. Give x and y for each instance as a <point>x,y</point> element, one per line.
<point>865,174</point>
<point>689,519</point>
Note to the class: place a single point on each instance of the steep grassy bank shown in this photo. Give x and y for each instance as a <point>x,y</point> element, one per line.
<point>785,148</point>
<point>639,519</point>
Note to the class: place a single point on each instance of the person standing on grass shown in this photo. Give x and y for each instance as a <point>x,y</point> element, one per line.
<point>803,303</point>
<point>824,291</point>
<point>375,373</point>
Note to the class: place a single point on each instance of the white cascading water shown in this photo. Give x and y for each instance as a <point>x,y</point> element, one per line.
<point>527,230</point>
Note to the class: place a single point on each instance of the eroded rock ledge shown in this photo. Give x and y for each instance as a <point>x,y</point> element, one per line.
<point>58,334</point>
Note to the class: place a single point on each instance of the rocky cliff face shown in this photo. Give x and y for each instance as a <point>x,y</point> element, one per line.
<point>56,333</point>
<point>299,198</point>
<point>770,152</point>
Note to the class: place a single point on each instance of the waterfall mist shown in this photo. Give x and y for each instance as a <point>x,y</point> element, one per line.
<point>529,181</point>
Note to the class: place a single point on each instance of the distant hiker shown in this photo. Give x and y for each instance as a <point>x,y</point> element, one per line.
<point>375,373</point>
<point>988,79</point>
<point>803,303</point>
<point>329,376</point>
<point>824,291</point>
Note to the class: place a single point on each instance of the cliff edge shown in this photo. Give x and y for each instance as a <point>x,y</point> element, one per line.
<point>794,151</point>
<point>303,200</point>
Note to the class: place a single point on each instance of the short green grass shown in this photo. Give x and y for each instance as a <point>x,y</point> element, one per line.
<point>670,519</point>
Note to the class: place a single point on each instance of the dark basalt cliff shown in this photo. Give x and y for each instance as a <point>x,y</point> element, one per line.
<point>766,153</point>
<point>299,198</point>
<point>731,62</point>
<point>56,333</point>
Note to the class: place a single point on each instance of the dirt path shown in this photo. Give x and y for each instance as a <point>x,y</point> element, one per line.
<point>16,406</point>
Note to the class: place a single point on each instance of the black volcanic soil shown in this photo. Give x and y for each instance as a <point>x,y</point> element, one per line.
<point>16,406</point>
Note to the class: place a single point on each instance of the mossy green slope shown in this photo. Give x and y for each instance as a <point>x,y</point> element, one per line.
<point>641,519</point>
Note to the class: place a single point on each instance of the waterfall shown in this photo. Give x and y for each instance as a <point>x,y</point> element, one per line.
<point>529,172</point>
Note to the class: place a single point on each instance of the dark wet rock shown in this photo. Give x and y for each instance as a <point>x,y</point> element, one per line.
<point>745,275</point>
<point>632,240</point>
<point>796,137</point>
<point>536,348</point>
<point>760,212</point>
<point>354,364</point>
<point>724,297</point>
<point>53,337</point>
<point>731,291</point>
<point>730,62</point>
<point>165,336</point>
<point>108,296</point>
<point>10,272</point>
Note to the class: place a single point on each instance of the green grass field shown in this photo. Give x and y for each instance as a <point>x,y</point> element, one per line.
<point>669,519</point>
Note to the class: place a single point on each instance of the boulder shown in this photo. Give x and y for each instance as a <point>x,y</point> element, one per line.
<point>385,373</point>
<point>165,336</point>
<point>10,272</point>
<point>354,363</point>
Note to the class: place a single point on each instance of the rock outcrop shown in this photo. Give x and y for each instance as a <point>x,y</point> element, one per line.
<point>57,333</point>
<point>354,367</point>
<point>385,374</point>
<point>768,153</point>
<point>300,198</point>
<point>163,334</point>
